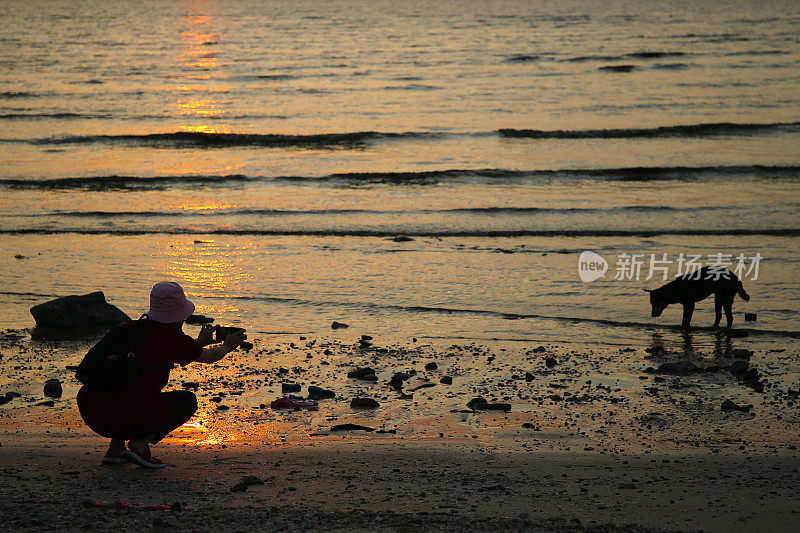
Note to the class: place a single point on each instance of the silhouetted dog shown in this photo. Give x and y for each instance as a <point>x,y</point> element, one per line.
<point>693,287</point>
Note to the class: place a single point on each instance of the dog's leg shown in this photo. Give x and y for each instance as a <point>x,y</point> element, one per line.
<point>717,309</point>
<point>688,309</point>
<point>728,304</point>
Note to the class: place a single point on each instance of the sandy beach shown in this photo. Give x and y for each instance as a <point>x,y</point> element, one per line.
<point>639,451</point>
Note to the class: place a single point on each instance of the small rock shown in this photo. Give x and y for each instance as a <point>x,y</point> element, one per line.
<point>239,487</point>
<point>318,393</point>
<point>52,388</point>
<point>351,427</point>
<point>539,349</point>
<point>529,377</point>
<point>190,385</point>
<point>252,480</point>
<point>338,325</point>
<point>528,425</point>
<point>287,388</point>
<point>401,238</point>
<point>364,403</point>
<point>366,337</point>
<point>627,486</point>
<point>365,374</point>
<point>750,317</point>
<point>46,403</point>
<point>729,405</point>
<point>476,401</point>
<point>398,378</point>
<point>431,366</point>
<point>550,362</point>
<point>446,380</point>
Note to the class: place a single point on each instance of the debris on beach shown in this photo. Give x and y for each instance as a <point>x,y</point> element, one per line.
<point>294,403</point>
<point>339,325</point>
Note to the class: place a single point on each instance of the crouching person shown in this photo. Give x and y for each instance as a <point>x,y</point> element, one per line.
<point>124,374</point>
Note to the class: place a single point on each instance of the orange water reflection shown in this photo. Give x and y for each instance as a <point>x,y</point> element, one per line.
<point>199,60</point>
<point>205,268</point>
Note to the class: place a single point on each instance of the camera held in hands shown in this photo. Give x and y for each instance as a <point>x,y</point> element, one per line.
<point>220,332</point>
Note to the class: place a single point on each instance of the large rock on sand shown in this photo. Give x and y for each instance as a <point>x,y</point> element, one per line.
<point>78,313</point>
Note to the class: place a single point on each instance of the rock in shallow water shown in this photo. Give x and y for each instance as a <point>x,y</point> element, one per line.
<point>78,313</point>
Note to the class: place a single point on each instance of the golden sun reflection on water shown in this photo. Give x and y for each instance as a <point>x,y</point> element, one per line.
<point>203,267</point>
<point>199,60</point>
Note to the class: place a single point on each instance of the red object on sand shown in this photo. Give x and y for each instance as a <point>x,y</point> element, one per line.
<point>289,403</point>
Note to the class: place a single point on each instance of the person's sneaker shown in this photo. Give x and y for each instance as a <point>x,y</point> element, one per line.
<point>113,460</point>
<point>145,460</point>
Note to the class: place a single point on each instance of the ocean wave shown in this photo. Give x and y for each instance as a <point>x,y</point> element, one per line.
<point>690,130</point>
<point>357,139</point>
<point>619,68</point>
<point>103,183</point>
<point>623,57</point>
<point>729,232</point>
<point>522,58</point>
<point>520,211</point>
<point>431,177</point>
<point>8,95</point>
<point>65,115</point>
<point>224,140</point>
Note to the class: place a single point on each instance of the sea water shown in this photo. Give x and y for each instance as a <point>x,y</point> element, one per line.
<point>267,155</point>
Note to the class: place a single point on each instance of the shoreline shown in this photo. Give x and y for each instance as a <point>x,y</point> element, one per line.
<point>592,443</point>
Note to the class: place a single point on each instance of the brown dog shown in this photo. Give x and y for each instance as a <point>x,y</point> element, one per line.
<point>693,287</point>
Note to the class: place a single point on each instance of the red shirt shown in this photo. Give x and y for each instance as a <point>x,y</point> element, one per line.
<point>140,408</point>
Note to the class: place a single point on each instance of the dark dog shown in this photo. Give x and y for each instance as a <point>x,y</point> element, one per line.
<point>691,288</point>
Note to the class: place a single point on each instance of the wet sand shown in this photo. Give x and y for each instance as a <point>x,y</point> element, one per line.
<point>595,440</point>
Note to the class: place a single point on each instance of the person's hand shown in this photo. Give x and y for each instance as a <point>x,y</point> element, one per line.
<point>206,335</point>
<point>233,340</point>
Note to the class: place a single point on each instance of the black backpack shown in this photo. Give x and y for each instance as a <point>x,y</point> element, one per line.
<point>115,361</point>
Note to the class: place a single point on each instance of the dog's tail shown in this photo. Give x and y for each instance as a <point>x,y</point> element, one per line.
<point>742,294</point>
